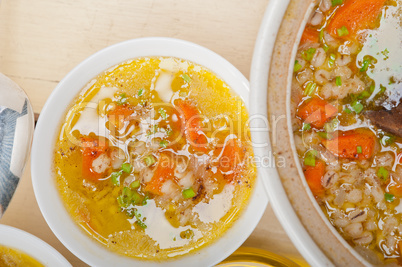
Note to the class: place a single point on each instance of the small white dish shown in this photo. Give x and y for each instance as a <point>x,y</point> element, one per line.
<point>36,248</point>
<point>47,195</point>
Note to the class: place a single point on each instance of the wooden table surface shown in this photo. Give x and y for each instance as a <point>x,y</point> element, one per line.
<point>42,40</point>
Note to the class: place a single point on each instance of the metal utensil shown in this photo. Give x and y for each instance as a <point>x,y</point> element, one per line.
<point>16,131</point>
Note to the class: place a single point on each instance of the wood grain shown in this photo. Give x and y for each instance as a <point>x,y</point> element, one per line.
<point>42,40</point>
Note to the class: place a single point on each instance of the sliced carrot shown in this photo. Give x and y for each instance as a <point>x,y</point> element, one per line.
<point>309,35</point>
<point>352,144</point>
<point>91,149</point>
<point>316,111</point>
<point>192,125</point>
<point>395,189</point>
<point>355,15</point>
<point>313,176</point>
<point>118,115</point>
<point>231,159</point>
<point>164,171</point>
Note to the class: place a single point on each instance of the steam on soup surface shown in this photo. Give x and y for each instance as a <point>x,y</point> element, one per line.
<point>10,257</point>
<point>152,160</point>
<point>346,93</point>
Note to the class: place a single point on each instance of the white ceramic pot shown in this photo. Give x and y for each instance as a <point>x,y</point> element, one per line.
<point>270,81</point>
<point>50,203</point>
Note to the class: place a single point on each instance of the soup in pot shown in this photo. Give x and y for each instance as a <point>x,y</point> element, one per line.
<point>346,94</point>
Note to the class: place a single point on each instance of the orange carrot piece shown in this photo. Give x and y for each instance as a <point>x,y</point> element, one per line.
<point>355,15</point>
<point>118,115</point>
<point>230,162</point>
<point>352,144</point>
<point>91,149</point>
<point>192,125</point>
<point>313,176</point>
<point>164,171</point>
<point>316,111</point>
<point>309,35</point>
<point>395,189</point>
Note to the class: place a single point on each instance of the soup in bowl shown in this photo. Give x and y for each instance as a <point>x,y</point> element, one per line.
<point>144,164</point>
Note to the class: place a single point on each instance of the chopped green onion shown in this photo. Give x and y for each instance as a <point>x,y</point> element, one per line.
<point>331,60</point>
<point>122,100</point>
<point>168,131</point>
<point>135,184</point>
<point>359,149</point>
<point>308,54</point>
<point>357,106</point>
<point>387,140</point>
<point>115,177</point>
<point>325,135</point>
<point>297,66</point>
<point>149,160</point>
<point>140,92</point>
<point>188,193</point>
<point>309,158</point>
<point>331,126</point>
<point>347,111</point>
<point>343,31</point>
<point>338,81</point>
<point>126,167</point>
<point>371,89</point>
<point>163,113</point>
<point>382,89</point>
<point>325,47</point>
<point>336,2</point>
<point>365,65</point>
<point>389,197</point>
<point>306,126</point>
<point>363,94</point>
<point>321,35</point>
<point>310,88</point>
<point>186,78</point>
<point>163,143</point>
<point>138,217</point>
<point>382,173</point>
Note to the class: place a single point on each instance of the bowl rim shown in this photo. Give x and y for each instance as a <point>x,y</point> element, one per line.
<point>48,126</point>
<point>31,245</point>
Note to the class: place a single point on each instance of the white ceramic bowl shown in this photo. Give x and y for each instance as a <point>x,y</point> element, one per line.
<point>48,125</point>
<point>32,246</point>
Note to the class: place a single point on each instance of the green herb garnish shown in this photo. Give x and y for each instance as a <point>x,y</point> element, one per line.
<point>308,54</point>
<point>347,111</point>
<point>163,113</point>
<point>382,173</point>
<point>331,60</point>
<point>387,140</point>
<point>139,221</point>
<point>331,126</point>
<point>306,126</point>
<point>186,78</point>
<point>149,160</point>
<point>359,150</point>
<point>188,193</point>
<point>336,2</point>
<point>357,106</point>
<point>115,177</point>
<point>135,184</point>
<point>163,143</point>
<point>126,167</point>
<point>297,66</point>
<point>310,88</point>
<point>309,158</point>
<point>365,65</point>
<point>343,31</point>
<point>140,92</point>
<point>338,81</point>
<point>389,197</point>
